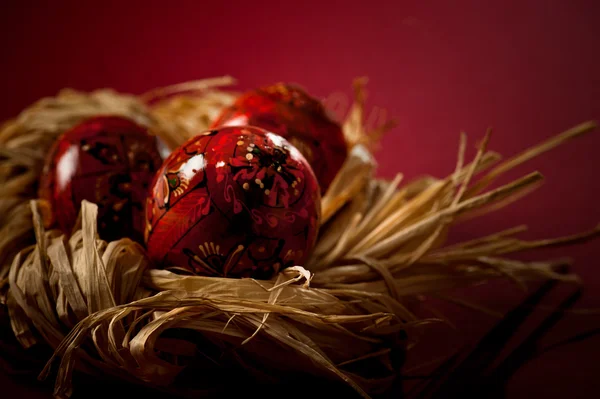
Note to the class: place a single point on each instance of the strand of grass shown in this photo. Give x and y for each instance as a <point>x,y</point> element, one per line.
<point>500,193</point>
<point>531,153</point>
<point>191,86</point>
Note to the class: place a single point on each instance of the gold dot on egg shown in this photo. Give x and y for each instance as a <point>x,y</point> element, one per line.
<point>299,180</point>
<point>296,192</point>
<point>86,147</point>
<point>249,157</point>
<point>246,186</point>
<point>267,191</point>
<point>262,185</point>
<point>252,145</point>
<point>249,149</point>
<point>240,142</point>
<point>257,181</point>
<point>279,168</point>
<point>261,249</point>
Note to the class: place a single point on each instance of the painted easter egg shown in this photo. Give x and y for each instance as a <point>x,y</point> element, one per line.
<point>233,202</point>
<point>108,160</point>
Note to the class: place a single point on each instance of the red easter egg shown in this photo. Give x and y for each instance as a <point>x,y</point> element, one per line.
<point>107,160</point>
<point>233,202</point>
<point>301,119</point>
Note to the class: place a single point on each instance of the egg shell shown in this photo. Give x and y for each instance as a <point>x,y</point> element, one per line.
<point>107,160</point>
<point>233,202</point>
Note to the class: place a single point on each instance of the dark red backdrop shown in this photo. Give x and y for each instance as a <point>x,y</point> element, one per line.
<point>530,69</point>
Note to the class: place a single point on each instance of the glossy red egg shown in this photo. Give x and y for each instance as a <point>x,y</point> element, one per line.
<point>233,202</point>
<point>301,119</point>
<point>108,160</point>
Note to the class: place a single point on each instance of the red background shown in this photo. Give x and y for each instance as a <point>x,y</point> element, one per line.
<point>530,69</point>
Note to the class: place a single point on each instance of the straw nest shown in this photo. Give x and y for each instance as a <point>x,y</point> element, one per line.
<point>347,315</point>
